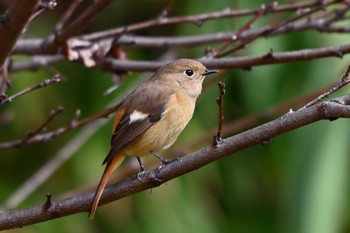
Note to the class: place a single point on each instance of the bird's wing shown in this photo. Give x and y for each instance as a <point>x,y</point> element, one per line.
<point>137,113</point>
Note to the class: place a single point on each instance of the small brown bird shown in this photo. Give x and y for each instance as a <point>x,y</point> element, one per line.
<point>153,115</point>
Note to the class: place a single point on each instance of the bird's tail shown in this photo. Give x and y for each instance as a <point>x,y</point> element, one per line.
<point>114,163</point>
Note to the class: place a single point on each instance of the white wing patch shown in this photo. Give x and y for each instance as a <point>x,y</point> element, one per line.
<point>137,116</point>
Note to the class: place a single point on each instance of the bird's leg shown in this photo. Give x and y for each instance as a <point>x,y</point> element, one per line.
<point>158,179</point>
<point>141,166</point>
<point>164,160</point>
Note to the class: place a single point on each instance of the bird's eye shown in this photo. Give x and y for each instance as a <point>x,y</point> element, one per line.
<point>189,73</point>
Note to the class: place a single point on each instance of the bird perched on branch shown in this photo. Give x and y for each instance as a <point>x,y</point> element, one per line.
<point>153,115</point>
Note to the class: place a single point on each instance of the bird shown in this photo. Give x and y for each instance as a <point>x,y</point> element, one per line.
<point>152,116</point>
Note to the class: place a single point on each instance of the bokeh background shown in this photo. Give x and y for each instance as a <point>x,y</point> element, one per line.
<point>297,183</point>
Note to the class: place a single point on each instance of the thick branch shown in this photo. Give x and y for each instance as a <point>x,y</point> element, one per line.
<point>37,62</point>
<point>191,162</point>
<point>12,25</point>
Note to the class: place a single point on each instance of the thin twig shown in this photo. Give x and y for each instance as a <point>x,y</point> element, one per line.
<point>220,102</point>
<point>43,6</point>
<point>43,127</point>
<point>48,202</point>
<point>167,8</point>
<point>67,14</point>
<point>343,82</point>
<point>4,80</point>
<point>55,79</point>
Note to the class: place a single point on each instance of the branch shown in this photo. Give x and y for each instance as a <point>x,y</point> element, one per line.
<point>342,83</point>
<point>42,128</point>
<point>220,102</point>
<point>12,24</point>
<point>191,162</point>
<point>45,83</point>
<point>37,62</point>
<point>67,14</point>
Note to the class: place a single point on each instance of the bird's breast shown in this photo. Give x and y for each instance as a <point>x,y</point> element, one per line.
<point>179,111</point>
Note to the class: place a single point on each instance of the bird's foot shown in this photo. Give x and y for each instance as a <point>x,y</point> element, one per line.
<point>164,161</point>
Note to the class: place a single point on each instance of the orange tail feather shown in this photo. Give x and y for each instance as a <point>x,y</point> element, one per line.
<point>111,165</point>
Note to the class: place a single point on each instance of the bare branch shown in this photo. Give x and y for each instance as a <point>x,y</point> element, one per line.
<point>220,102</point>
<point>4,79</point>
<point>45,83</point>
<point>167,8</point>
<point>42,128</point>
<point>342,83</point>
<point>12,24</point>
<point>43,6</point>
<point>67,14</point>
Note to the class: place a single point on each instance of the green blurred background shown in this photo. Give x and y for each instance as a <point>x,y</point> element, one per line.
<point>297,183</point>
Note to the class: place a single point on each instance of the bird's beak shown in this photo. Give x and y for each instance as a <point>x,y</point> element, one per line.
<point>210,72</point>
